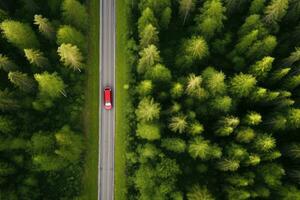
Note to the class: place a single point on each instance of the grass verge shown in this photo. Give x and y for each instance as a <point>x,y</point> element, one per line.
<point>91,114</point>
<point>122,99</point>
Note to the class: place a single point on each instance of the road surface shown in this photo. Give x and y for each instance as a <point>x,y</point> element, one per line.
<point>107,118</point>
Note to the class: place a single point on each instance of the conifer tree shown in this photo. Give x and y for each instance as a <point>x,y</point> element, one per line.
<point>261,68</point>
<point>242,84</point>
<point>36,58</point>
<point>148,110</point>
<point>149,36</point>
<point>203,149</point>
<point>67,34</point>
<point>176,145</point>
<point>148,131</point>
<point>70,56</point>
<point>145,87</point>
<point>19,34</point>
<point>6,64</point>
<point>158,73</point>
<point>210,21</point>
<point>228,164</point>
<point>75,13</point>
<point>294,57</point>
<point>257,6</point>
<point>177,90</point>
<point>22,81</point>
<point>198,192</point>
<point>245,135</point>
<point>178,123</point>
<point>275,11</point>
<point>185,8</point>
<point>149,56</point>
<point>45,27</point>
<point>7,101</point>
<point>146,18</point>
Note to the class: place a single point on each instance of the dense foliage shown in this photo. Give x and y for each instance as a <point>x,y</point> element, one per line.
<point>217,100</point>
<point>42,51</point>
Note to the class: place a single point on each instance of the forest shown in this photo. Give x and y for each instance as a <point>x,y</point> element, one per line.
<point>216,100</point>
<point>42,65</point>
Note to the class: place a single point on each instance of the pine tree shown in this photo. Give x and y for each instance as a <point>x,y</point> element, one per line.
<point>275,11</point>
<point>149,36</point>
<point>257,6</point>
<point>148,152</point>
<point>199,193</point>
<point>19,34</point>
<point>177,90</point>
<point>271,173</point>
<point>253,22</point>
<point>294,57</point>
<point>70,56</point>
<point>264,143</point>
<point>6,64</point>
<point>7,125</point>
<point>149,56</point>
<point>226,125</point>
<point>7,101</point>
<point>214,81</point>
<point>246,41</point>
<point>210,21</point>
<point>228,165</point>
<point>145,88</point>
<point>262,48</point>
<point>261,68</point>
<point>195,128</point>
<point>75,13</point>
<point>176,145</point>
<point>50,85</point>
<point>185,8</point>
<point>165,18</point>
<point>148,131</point>
<point>293,118</point>
<point>178,123</point>
<point>45,27</point>
<point>42,143</point>
<point>69,35</point>
<point>245,135</point>
<point>241,85</point>
<point>278,74</point>
<point>36,58</point>
<point>158,73</point>
<point>203,149</point>
<point>291,82</point>
<point>221,104</point>
<point>252,119</point>
<point>148,110</point>
<point>146,18</point>
<point>22,81</point>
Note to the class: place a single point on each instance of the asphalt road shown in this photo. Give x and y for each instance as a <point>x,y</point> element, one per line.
<point>107,118</point>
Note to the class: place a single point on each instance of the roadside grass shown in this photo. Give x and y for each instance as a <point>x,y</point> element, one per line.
<point>91,114</point>
<point>122,99</point>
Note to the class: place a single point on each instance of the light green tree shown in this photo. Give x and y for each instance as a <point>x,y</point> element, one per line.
<point>42,143</point>
<point>145,88</point>
<point>148,131</point>
<point>69,35</point>
<point>50,85</point>
<point>241,85</point>
<point>228,164</point>
<point>294,57</point>
<point>36,58</point>
<point>146,18</point>
<point>210,21</point>
<point>275,11</point>
<point>176,145</point>
<point>45,27</point>
<point>221,104</point>
<point>22,81</point>
<point>203,149</point>
<point>257,6</point>
<point>75,13</point>
<point>178,123</point>
<point>177,90</point>
<point>195,128</point>
<point>147,110</point>
<point>291,82</point>
<point>158,73</point>
<point>271,173</point>
<point>245,135</point>
<point>148,36</point>
<point>19,34</point>
<point>293,118</point>
<point>264,143</point>
<point>149,56</point>
<point>261,68</point>
<point>252,118</point>
<point>7,101</point>
<point>198,192</point>
<point>70,56</point>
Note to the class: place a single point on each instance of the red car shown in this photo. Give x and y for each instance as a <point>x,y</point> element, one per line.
<point>107,98</point>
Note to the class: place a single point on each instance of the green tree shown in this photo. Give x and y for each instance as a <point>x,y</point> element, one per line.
<point>70,144</point>
<point>291,82</point>
<point>226,125</point>
<point>252,118</point>
<point>178,123</point>
<point>7,125</point>
<point>195,128</point>
<point>146,18</point>
<point>210,21</point>
<point>176,145</point>
<point>203,149</point>
<point>198,192</point>
<point>294,57</point>
<point>158,73</point>
<point>7,101</point>
<point>214,81</point>
<point>275,11</point>
<point>147,152</point>
<point>50,85</point>
<point>75,13</point>
<point>145,88</point>
<point>288,192</point>
<point>221,104</point>
<point>45,162</point>
<point>147,110</point>
<point>271,174</point>
<point>42,143</point>
<point>261,68</point>
<point>149,56</point>
<point>67,34</point>
<point>262,48</point>
<point>45,27</point>
<point>228,165</point>
<point>6,64</point>
<point>185,8</point>
<point>193,49</point>
<point>148,36</point>
<point>293,118</point>
<point>278,74</point>
<point>177,90</point>
<point>36,58</point>
<point>264,142</point>
<point>148,131</point>
<point>70,56</point>
<point>245,135</point>
<point>257,6</point>
<point>241,85</point>
<point>22,81</point>
<point>19,34</point>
